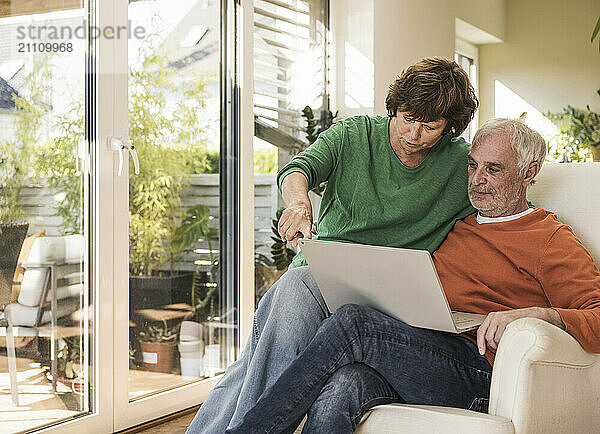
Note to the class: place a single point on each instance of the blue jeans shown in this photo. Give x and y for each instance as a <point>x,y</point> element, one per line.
<point>423,366</point>
<point>345,398</point>
<point>286,320</point>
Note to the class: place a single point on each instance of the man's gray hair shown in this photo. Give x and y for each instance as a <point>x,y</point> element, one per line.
<point>528,144</point>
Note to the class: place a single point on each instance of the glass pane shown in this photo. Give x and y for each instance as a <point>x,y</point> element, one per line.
<point>290,86</point>
<point>182,328</point>
<point>45,302</point>
<point>467,64</point>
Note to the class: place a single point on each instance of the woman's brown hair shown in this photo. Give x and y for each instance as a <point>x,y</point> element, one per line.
<point>431,89</point>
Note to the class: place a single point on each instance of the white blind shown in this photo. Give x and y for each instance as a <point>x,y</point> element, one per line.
<point>289,61</point>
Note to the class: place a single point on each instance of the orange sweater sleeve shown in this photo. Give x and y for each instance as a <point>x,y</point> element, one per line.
<point>571,283</point>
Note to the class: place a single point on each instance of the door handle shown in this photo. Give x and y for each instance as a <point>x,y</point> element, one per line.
<point>124,145</point>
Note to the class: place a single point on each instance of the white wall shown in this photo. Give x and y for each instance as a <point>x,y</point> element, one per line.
<point>393,34</point>
<point>352,28</point>
<point>406,31</point>
<point>539,49</point>
<point>487,15</point>
<point>547,58</point>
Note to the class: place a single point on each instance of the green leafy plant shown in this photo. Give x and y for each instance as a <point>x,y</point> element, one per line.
<point>196,227</point>
<point>57,166</point>
<point>281,254</point>
<point>595,33</point>
<point>69,356</point>
<point>171,142</point>
<point>581,128</point>
<point>17,149</point>
<point>314,127</point>
<point>265,160</point>
<point>159,333</point>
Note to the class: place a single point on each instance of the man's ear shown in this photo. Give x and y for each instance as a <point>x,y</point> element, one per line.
<point>530,173</point>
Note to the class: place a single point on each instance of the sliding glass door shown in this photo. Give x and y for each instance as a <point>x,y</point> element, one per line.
<point>120,132</point>
<point>47,320</point>
<point>176,242</point>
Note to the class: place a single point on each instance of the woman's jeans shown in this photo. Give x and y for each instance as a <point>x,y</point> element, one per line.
<point>422,366</point>
<point>286,320</point>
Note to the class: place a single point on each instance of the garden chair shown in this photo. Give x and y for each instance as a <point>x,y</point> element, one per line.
<point>12,236</point>
<point>51,289</point>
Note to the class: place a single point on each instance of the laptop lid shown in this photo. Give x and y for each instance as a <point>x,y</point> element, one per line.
<point>402,283</point>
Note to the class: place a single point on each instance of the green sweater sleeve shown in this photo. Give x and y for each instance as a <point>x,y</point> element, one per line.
<point>318,160</point>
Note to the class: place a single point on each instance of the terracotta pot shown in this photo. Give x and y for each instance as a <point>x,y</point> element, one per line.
<point>595,152</point>
<point>158,356</point>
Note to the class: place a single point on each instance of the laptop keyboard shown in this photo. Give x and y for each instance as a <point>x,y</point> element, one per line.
<point>463,320</point>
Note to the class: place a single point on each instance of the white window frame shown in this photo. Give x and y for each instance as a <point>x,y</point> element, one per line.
<point>109,262</point>
<point>471,51</point>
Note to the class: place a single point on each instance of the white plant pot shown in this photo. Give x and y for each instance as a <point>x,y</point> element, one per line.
<point>191,347</point>
<point>212,360</point>
<point>191,367</point>
<point>190,331</point>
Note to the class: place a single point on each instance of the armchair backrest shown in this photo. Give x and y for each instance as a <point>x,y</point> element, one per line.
<point>12,236</point>
<point>569,190</point>
<point>68,249</point>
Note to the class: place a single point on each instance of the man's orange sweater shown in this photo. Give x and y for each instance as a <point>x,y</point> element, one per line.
<point>534,260</point>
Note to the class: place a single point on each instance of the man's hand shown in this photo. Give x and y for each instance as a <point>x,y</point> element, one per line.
<point>492,328</point>
<point>295,223</point>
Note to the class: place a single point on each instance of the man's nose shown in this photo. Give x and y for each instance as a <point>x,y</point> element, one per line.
<point>478,177</point>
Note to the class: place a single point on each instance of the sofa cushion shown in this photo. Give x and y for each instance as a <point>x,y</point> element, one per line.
<point>25,316</point>
<point>566,190</point>
<point>66,252</point>
<point>419,419</point>
<point>66,249</point>
<point>32,286</point>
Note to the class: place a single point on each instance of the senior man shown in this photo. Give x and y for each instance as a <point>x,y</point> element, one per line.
<point>507,261</point>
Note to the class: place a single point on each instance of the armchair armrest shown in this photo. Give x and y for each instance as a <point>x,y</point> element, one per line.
<point>544,381</point>
<point>36,264</point>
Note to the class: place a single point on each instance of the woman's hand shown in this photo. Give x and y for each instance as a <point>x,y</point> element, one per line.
<point>295,223</point>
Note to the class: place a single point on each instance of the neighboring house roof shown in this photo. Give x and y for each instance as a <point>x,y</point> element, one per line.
<point>7,92</point>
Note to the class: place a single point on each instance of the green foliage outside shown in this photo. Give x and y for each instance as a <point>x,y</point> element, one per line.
<point>56,162</point>
<point>167,126</point>
<point>17,150</point>
<point>281,254</point>
<point>265,160</point>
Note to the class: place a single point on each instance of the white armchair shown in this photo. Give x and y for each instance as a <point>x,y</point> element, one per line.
<point>51,289</point>
<point>542,381</point>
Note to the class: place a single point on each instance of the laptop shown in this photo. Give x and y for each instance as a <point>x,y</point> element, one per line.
<point>402,283</point>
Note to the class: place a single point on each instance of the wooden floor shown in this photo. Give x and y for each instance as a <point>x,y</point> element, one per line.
<point>174,424</point>
<point>39,405</point>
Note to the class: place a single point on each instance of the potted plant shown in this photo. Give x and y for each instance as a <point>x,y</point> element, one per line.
<point>195,227</point>
<point>583,126</point>
<point>70,364</point>
<point>157,343</point>
<point>170,142</point>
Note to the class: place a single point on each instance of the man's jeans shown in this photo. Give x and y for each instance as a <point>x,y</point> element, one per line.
<point>423,366</point>
<point>286,320</point>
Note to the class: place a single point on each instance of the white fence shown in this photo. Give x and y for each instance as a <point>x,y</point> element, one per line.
<point>39,204</point>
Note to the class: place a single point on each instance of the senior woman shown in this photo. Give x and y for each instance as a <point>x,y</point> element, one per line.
<point>398,180</point>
